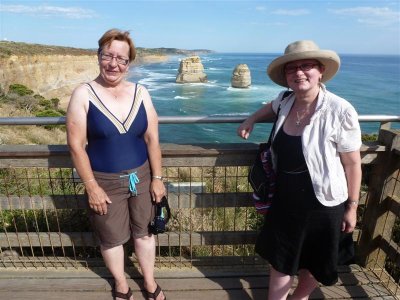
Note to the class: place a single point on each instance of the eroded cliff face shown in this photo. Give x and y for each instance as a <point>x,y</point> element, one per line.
<point>52,76</point>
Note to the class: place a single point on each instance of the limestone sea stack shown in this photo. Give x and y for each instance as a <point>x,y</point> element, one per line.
<point>191,70</point>
<point>241,77</point>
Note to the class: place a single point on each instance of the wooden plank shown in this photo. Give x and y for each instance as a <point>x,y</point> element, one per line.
<point>188,283</point>
<point>47,239</point>
<point>232,154</point>
<point>88,239</point>
<point>369,158</point>
<point>207,238</point>
<point>391,249</point>
<point>209,200</point>
<point>43,202</point>
<point>176,200</point>
<point>394,205</point>
<point>77,239</point>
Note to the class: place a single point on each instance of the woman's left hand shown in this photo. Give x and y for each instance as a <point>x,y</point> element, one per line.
<point>349,219</point>
<point>157,190</point>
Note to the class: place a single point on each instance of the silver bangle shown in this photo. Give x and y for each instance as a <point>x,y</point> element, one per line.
<point>89,180</point>
<point>157,177</point>
<point>351,202</point>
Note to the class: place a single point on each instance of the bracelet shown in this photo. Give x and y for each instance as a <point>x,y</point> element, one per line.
<point>351,202</point>
<point>157,177</point>
<point>89,180</point>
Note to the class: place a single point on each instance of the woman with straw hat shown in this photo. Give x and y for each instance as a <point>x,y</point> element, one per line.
<point>316,155</point>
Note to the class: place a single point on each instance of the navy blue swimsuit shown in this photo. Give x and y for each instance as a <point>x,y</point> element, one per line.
<point>115,146</point>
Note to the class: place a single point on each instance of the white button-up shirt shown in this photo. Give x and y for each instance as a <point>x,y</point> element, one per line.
<point>333,128</point>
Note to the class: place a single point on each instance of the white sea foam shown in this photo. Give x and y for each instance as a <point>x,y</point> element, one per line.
<point>182,98</point>
<point>208,129</point>
<point>232,89</point>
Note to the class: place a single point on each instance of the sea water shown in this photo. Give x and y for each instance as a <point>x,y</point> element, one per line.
<point>370,83</point>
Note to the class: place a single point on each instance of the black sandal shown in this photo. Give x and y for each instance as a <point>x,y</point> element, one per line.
<point>126,296</point>
<point>155,294</point>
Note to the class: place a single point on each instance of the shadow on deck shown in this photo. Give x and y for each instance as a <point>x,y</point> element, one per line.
<point>233,283</point>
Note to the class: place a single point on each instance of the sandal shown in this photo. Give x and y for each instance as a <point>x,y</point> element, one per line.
<point>155,294</point>
<point>126,295</point>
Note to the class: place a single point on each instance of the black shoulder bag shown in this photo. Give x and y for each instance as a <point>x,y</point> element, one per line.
<point>262,177</point>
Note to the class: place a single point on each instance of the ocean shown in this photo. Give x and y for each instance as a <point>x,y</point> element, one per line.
<point>370,83</point>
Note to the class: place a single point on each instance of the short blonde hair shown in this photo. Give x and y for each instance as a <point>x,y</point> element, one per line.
<point>117,35</point>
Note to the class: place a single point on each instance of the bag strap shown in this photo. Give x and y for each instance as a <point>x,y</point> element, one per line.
<point>271,134</point>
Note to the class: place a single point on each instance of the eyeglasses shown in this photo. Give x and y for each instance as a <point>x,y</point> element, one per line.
<point>109,57</point>
<point>304,67</point>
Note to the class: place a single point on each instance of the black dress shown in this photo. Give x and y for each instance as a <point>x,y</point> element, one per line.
<point>299,232</point>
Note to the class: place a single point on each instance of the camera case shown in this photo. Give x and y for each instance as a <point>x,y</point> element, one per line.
<point>162,216</point>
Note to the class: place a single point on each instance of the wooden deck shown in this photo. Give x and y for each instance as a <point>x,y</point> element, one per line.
<point>206,255</point>
<point>233,283</point>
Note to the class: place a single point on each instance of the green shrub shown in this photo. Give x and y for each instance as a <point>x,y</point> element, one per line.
<point>62,112</point>
<point>50,113</point>
<point>47,104</point>
<point>55,102</point>
<point>369,137</point>
<point>39,97</point>
<point>20,89</point>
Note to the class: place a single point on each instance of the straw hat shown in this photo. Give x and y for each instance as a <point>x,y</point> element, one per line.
<point>303,50</point>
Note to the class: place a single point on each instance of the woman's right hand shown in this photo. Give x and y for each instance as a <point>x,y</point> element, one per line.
<point>245,129</point>
<point>97,198</point>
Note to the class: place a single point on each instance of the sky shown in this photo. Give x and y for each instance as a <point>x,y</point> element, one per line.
<point>345,26</point>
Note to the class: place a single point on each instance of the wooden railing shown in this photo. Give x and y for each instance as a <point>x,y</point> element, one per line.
<point>43,220</point>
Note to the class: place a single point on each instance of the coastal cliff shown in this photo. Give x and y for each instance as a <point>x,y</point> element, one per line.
<point>54,72</point>
<point>52,76</point>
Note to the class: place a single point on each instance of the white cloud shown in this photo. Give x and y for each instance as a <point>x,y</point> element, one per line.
<point>380,16</point>
<point>261,8</point>
<point>291,12</point>
<point>50,11</point>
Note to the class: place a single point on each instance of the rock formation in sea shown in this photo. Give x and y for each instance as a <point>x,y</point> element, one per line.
<point>191,70</point>
<point>241,77</point>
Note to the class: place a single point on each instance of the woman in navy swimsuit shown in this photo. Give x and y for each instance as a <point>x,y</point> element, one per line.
<point>112,132</point>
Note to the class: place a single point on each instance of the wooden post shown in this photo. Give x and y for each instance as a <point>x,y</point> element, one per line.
<point>383,187</point>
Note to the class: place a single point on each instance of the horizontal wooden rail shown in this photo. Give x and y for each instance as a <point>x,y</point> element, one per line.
<point>239,154</point>
<point>81,239</point>
<point>176,200</point>
<point>168,239</point>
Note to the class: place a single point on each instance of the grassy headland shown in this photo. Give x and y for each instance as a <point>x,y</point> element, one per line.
<point>16,48</point>
<point>8,48</point>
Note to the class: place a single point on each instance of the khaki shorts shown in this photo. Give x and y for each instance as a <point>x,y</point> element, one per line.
<point>128,215</point>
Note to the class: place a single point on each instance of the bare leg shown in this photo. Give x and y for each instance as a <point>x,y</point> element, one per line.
<point>114,259</point>
<point>279,285</point>
<point>145,249</point>
<point>305,287</point>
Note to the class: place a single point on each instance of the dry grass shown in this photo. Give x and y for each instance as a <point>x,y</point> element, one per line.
<point>15,48</point>
<point>26,134</point>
